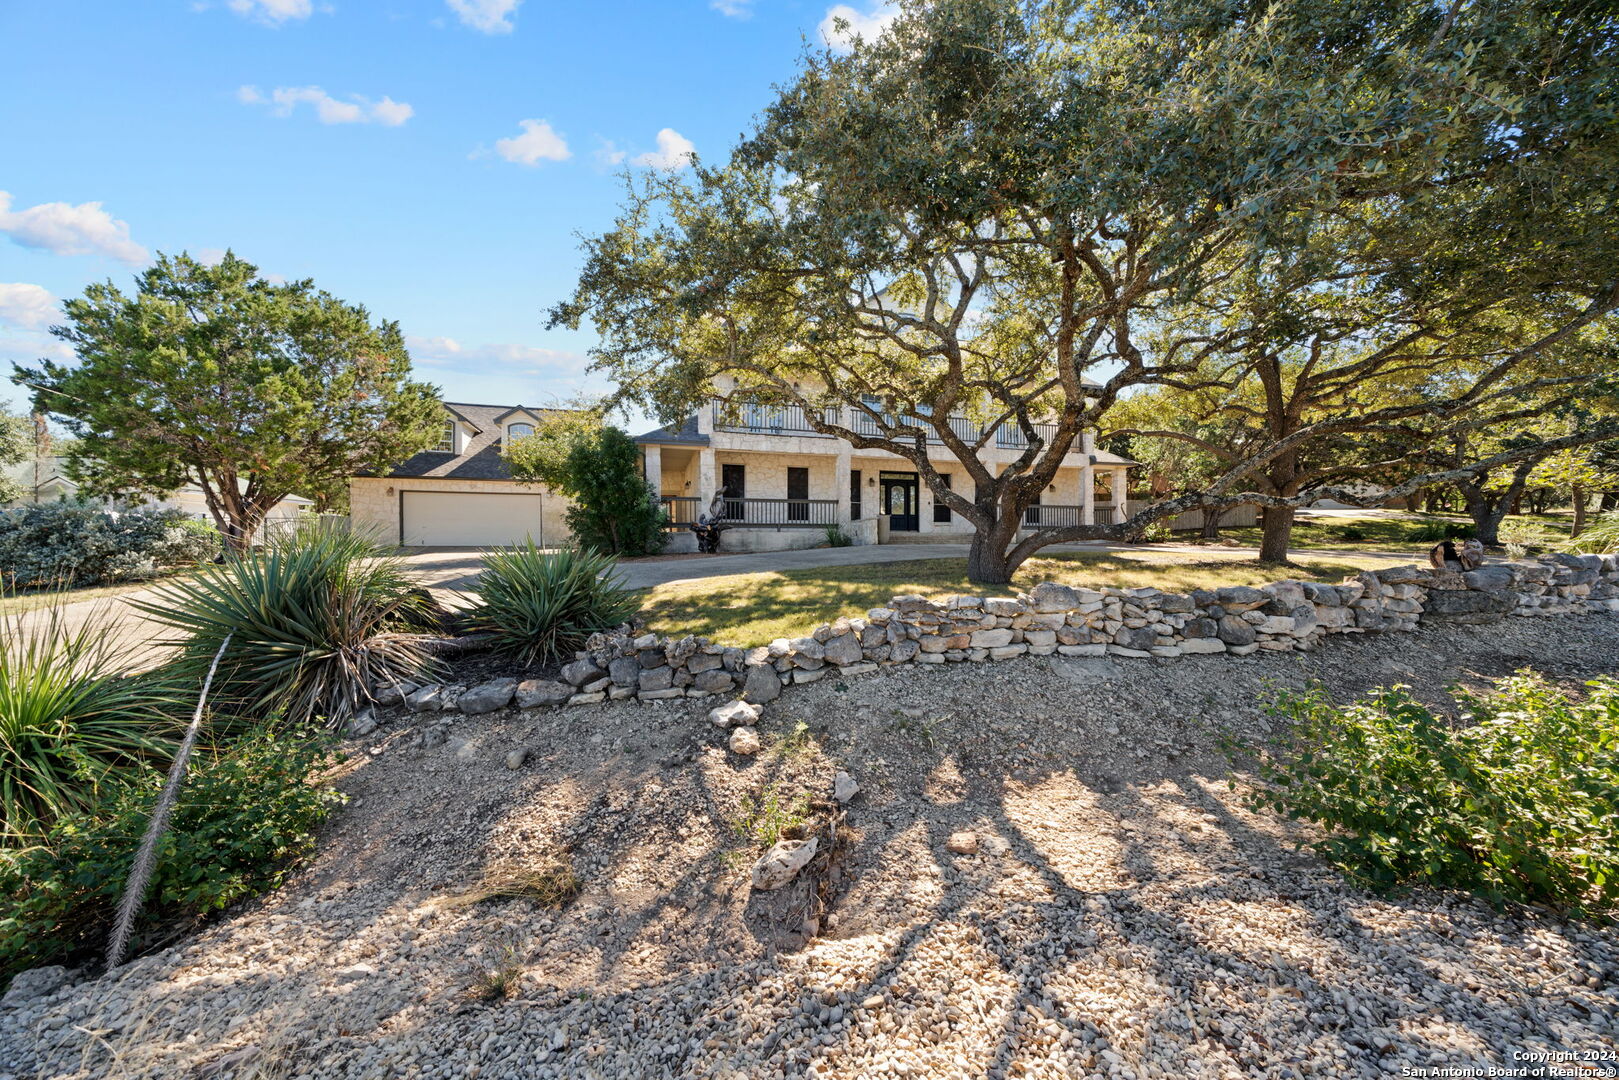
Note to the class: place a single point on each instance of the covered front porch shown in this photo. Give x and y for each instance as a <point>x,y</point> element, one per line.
<point>773,500</point>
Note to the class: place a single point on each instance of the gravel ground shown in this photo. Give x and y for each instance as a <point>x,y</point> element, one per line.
<point>1115,911</point>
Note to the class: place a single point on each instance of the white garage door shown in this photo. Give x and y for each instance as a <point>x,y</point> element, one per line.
<point>468,519</point>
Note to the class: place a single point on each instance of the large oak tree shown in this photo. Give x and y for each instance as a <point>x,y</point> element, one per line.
<point>250,389</point>
<point>1008,216</point>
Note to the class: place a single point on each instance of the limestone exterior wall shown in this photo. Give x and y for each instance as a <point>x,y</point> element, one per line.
<point>767,472</point>
<point>1053,618</point>
<point>374,502</point>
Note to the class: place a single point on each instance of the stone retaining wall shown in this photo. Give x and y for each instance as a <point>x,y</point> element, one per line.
<point>1052,618</point>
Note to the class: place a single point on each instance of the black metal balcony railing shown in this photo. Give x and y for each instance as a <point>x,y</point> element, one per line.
<point>780,513</point>
<point>682,510</point>
<point>1010,437</point>
<point>757,419</point>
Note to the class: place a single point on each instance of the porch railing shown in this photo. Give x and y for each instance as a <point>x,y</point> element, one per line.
<point>780,513</point>
<point>1053,516</point>
<point>682,510</point>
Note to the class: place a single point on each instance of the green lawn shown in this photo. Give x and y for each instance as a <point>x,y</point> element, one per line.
<point>1414,532</point>
<point>752,609</point>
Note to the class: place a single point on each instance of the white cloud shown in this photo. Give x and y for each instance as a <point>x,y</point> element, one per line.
<point>489,16</point>
<point>27,307</point>
<point>609,155</point>
<point>869,25</point>
<point>735,9</point>
<point>329,110</point>
<point>63,229</point>
<point>674,151</point>
<point>537,142</point>
<point>446,352</point>
<point>272,11</point>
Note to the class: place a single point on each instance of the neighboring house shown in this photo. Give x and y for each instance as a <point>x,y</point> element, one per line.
<point>460,493</point>
<point>784,483</point>
<point>47,481</point>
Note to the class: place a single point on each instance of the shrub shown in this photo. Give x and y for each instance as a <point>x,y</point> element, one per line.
<point>543,605</point>
<point>1432,532</point>
<point>1349,533</point>
<point>317,618</point>
<point>1516,803</point>
<point>836,537</point>
<point>67,719</point>
<point>58,544</point>
<point>1601,537</point>
<point>598,467</point>
<point>243,816</point>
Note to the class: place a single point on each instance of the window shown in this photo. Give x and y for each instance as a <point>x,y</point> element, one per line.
<point>941,509</point>
<point>446,439</point>
<point>854,494</point>
<point>518,431</point>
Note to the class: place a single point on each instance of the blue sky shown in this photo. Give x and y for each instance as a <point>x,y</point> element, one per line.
<point>431,159</point>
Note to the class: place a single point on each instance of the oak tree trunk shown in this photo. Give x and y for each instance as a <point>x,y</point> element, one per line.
<point>1276,533</point>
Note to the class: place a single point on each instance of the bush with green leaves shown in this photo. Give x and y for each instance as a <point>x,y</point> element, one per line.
<point>836,537</point>
<point>1433,532</point>
<point>598,467</point>
<point>68,718</point>
<point>63,544</point>
<point>1516,800</point>
<point>316,619</point>
<point>542,605</point>
<point>1601,537</point>
<point>248,810</point>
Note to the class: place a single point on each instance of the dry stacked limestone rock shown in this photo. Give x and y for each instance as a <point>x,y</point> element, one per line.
<point>1050,618</point>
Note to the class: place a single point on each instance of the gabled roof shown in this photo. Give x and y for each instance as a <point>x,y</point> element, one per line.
<point>480,459</point>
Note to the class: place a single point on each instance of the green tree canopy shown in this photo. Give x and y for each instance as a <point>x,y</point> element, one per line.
<point>16,447</point>
<point>249,389</point>
<point>1000,215</point>
<point>598,467</point>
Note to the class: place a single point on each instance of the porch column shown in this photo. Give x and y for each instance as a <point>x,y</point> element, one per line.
<point>840,477</point>
<point>1087,493</point>
<point>1121,484</point>
<point>653,468</point>
<point>707,477</point>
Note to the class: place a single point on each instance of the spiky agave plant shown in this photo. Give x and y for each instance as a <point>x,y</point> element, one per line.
<point>542,605</point>
<point>316,619</point>
<point>68,716</point>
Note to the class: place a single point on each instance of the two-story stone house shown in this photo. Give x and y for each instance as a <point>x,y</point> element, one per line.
<point>784,483</point>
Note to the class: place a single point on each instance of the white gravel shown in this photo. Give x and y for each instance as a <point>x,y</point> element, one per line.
<point>1122,916</point>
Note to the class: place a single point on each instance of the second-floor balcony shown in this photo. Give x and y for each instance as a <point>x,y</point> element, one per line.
<point>751,418</point>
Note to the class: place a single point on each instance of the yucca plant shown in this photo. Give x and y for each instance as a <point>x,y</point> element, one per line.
<point>542,605</point>
<point>316,619</point>
<point>67,717</point>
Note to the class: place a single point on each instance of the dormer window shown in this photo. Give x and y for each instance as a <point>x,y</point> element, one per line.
<point>446,439</point>
<point>518,431</point>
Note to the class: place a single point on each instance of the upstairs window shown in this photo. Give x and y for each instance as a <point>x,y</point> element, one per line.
<point>518,431</point>
<point>446,439</point>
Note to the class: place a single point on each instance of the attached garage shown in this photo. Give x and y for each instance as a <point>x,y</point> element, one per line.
<point>470,519</point>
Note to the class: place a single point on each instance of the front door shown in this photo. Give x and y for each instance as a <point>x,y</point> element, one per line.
<point>901,496</point>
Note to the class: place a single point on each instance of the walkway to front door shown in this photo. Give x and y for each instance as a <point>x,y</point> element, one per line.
<point>901,498</point>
